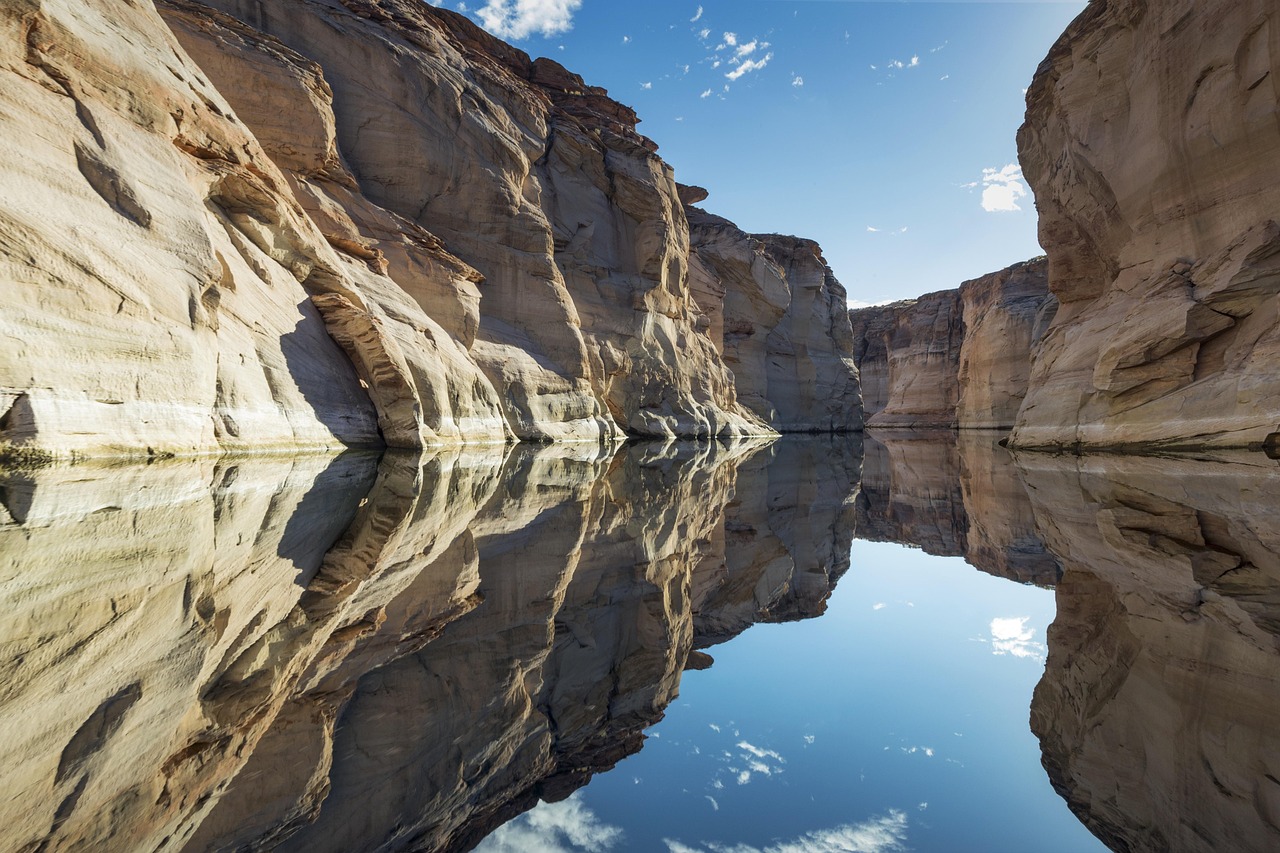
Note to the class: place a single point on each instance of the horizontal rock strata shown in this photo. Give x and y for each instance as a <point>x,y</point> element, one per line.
<point>356,223</point>
<point>1150,130</point>
<point>955,358</point>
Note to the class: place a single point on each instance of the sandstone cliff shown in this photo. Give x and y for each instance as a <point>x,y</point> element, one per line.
<point>1159,710</point>
<point>955,358</point>
<point>780,319</point>
<point>356,223</point>
<point>493,625</point>
<point>952,495</point>
<point>1149,140</point>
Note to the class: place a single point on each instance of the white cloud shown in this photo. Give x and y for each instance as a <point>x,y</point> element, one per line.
<point>797,81</point>
<point>878,835</point>
<point>1002,188</point>
<point>879,605</point>
<point>462,7</point>
<point>874,230</point>
<point>744,777</point>
<point>713,726</point>
<point>519,19</point>
<point>646,85</point>
<point>945,77</point>
<point>1011,636</point>
<point>626,39</point>
<point>915,60</point>
<point>749,47</point>
<point>808,739</point>
<point>731,39</point>
<point>554,828</point>
<point>707,94</point>
<point>758,752</point>
<point>749,65</point>
<point>714,804</point>
<point>704,34</point>
<point>696,17</point>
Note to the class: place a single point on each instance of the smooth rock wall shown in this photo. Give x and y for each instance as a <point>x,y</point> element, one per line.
<point>1149,142</point>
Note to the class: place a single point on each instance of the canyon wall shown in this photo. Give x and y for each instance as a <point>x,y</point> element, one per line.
<point>1149,136</point>
<point>355,223</point>
<point>1159,711</point>
<point>783,324</point>
<point>955,358</point>
<point>326,653</point>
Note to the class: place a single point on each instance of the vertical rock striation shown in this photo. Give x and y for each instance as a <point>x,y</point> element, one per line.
<point>1148,142</point>
<point>780,319</point>
<point>955,358</point>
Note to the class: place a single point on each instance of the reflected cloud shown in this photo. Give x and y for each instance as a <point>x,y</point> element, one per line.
<point>1012,636</point>
<point>878,835</point>
<point>564,827</point>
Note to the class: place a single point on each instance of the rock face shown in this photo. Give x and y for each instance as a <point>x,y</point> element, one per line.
<point>955,358</point>
<point>1159,711</point>
<point>1149,127</point>
<point>1005,315</point>
<point>367,222</point>
<point>780,319</point>
<point>494,625</point>
<point>952,495</point>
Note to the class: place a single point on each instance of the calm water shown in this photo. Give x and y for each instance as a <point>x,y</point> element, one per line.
<point>907,643</point>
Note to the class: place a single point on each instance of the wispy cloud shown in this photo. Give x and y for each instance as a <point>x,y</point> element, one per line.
<point>797,81</point>
<point>1001,189</point>
<point>646,85</point>
<point>749,66</point>
<point>554,828</point>
<point>697,17</point>
<point>1012,636</point>
<point>519,19</point>
<point>885,834</point>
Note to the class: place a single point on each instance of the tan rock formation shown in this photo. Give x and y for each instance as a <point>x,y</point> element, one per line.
<point>780,318</point>
<point>955,358</point>
<point>953,495</point>
<point>494,625</point>
<point>587,326</point>
<point>1149,137</point>
<point>1159,711</point>
<point>1005,315</point>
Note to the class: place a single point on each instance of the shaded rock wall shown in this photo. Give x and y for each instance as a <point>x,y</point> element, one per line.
<point>1159,710</point>
<point>1150,130</point>
<point>493,626</point>
<point>955,358</point>
<point>780,319</point>
<point>952,495</point>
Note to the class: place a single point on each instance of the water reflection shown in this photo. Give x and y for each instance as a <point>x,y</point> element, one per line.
<point>406,652</point>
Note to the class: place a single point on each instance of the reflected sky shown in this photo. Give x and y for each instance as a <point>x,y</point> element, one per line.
<point>897,721</point>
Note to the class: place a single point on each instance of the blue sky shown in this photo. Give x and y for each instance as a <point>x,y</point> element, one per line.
<point>883,130</point>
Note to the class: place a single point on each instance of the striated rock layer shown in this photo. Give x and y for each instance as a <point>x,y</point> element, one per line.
<point>952,495</point>
<point>1149,140</point>
<point>955,358</point>
<point>1159,711</point>
<point>780,319</point>
<point>343,223</point>
<point>494,626</point>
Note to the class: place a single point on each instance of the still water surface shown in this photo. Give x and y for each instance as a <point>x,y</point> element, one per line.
<point>514,649</point>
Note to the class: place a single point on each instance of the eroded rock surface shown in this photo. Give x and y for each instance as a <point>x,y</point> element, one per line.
<point>493,626</point>
<point>780,318</point>
<point>955,358</point>
<point>952,495</point>
<point>1158,711</point>
<point>1149,137</point>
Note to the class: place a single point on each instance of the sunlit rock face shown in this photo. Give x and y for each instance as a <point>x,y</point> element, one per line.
<point>336,653</point>
<point>1149,143</point>
<point>1005,315</point>
<point>955,358</point>
<point>540,183</point>
<point>952,495</point>
<point>1159,711</point>
<point>158,274</point>
<point>780,318</point>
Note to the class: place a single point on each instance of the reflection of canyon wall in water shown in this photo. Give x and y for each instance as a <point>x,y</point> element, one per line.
<point>952,495</point>
<point>491,627</point>
<point>1159,711</point>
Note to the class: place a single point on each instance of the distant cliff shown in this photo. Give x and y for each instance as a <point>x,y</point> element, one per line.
<point>234,226</point>
<point>1151,142</point>
<point>955,358</point>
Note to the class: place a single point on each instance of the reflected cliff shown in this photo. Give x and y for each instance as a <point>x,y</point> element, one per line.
<point>1159,710</point>
<point>406,651</point>
<point>362,652</point>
